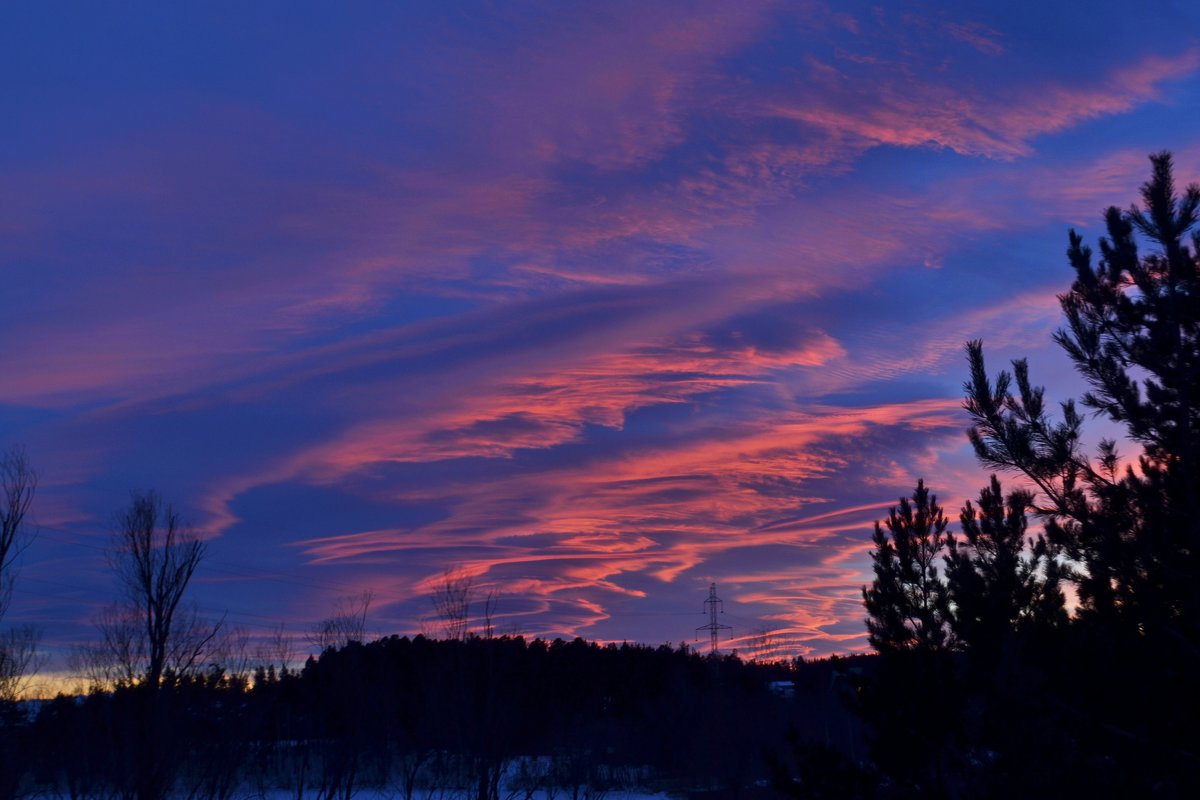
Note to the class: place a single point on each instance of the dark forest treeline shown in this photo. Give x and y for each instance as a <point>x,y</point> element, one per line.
<point>404,715</point>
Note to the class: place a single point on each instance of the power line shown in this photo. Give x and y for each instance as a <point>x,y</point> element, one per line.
<point>714,627</point>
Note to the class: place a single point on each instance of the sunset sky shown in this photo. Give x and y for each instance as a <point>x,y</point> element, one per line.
<point>595,302</point>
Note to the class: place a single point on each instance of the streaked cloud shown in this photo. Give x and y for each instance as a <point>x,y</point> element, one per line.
<point>594,304</point>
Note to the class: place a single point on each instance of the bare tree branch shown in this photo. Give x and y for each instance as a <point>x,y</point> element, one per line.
<point>19,661</point>
<point>452,602</point>
<point>348,623</point>
<point>152,634</point>
<point>278,649</point>
<point>18,482</point>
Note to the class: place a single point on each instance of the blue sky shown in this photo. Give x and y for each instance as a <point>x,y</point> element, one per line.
<point>594,303</point>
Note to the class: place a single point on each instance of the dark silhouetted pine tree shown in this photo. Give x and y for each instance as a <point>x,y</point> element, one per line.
<point>998,581</point>
<point>1128,528</point>
<point>907,604</point>
<point>1093,705</point>
<point>1133,333</point>
<point>912,702</point>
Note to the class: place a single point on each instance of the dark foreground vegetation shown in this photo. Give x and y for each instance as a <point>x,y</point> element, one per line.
<point>986,687</point>
<point>407,715</point>
<point>1048,648</point>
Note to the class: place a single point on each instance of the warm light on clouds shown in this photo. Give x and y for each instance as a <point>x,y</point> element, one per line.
<point>595,304</point>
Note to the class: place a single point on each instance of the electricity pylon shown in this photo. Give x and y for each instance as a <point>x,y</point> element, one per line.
<point>714,628</point>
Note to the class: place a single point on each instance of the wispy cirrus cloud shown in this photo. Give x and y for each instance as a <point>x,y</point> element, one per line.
<point>600,304</point>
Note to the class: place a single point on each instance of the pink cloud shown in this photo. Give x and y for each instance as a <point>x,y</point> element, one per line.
<point>625,515</point>
<point>983,38</point>
<point>610,91</point>
<point>606,190</point>
<point>966,120</point>
<point>392,230</point>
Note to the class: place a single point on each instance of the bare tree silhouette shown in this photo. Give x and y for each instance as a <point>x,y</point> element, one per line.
<point>18,483</point>
<point>18,646</point>
<point>348,623</point>
<point>452,602</point>
<point>152,632</point>
<point>277,650</point>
